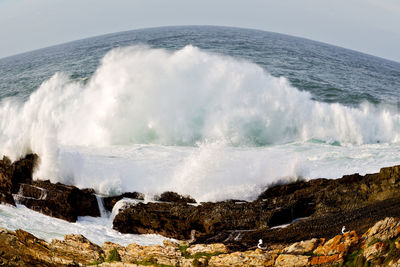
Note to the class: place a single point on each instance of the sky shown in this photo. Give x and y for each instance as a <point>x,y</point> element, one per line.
<point>369,26</point>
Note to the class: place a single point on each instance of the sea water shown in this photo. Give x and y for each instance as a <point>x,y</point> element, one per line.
<point>213,112</point>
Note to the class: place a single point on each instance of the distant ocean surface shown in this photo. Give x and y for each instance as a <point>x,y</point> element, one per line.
<point>213,112</point>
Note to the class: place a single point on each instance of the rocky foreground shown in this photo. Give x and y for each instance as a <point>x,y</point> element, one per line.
<point>313,210</point>
<point>379,246</point>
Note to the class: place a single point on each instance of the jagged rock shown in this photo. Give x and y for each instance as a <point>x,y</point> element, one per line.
<point>211,248</point>
<point>58,200</point>
<point>109,202</point>
<point>323,205</point>
<point>153,254</point>
<point>174,197</point>
<point>292,260</point>
<point>247,258</point>
<point>386,229</point>
<point>5,190</point>
<point>375,251</point>
<point>21,248</point>
<point>332,260</point>
<point>76,248</point>
<point>12,174</point>
<point>303,247</point>
<point>178,220</point>
<point>338,245</point>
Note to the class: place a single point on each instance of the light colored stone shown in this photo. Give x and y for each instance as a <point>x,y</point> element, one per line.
<point>385,229</point>
<point>247,258</point>
<point>108,246</point>
<point>169,243</point>
<point>211,248</point>
<point>76,248</point>
<point>169,255</point>
<point>292,260</point>
<point>302,246</point>
<point>118,264</point>
<point>374,251</point>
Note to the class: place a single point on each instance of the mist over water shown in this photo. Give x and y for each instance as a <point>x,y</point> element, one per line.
<point>191,121</point>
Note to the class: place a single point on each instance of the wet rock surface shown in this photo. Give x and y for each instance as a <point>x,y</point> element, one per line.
<point>109,202</point>
<point>56,200</point>
<point>315,209</point>
<point>14,173</point>
<point>174,197</point>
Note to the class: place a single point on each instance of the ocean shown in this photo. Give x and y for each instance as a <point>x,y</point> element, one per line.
<point>214,112</point>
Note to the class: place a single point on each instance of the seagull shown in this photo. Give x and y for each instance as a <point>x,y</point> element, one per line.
<point>344,230</point>
<point>260,243</point>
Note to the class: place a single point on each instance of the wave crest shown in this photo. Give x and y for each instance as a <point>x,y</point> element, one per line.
<point>140,95</point>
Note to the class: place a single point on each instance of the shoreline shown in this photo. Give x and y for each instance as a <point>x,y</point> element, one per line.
<point>281,216</point>
<point>380,245</point>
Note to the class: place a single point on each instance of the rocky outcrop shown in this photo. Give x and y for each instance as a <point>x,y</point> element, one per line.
<point>316,208</point>
<point>14,173</point>
<point>21,248</point>
<point>58,200</point>
<point>179,220</point>
<point>379,245</point>
<point>169,196</point>
<point>110,201</point>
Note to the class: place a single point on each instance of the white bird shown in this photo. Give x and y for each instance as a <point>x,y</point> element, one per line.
<point>344,230</point>
<point>260,243</point>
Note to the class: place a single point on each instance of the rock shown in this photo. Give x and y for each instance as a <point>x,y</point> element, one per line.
<point>386,229</point>
<point>58,200</point>
<point>375,251</point>
<point>210,249</point>
<point>109,202</point>
<point>5,190</point>
<point>320,207</point>
<point>247,258</point>
<point>76,248</point>
<point>107,247</point>
<point>292,260</point>
<point>332,260</point>
<point>153,254</point>
<point>21,248</point>
<point>12,174</point>
<point>174,197</point>
<point>340,244</point>
<point>178,220</point>
<point>303,247</point>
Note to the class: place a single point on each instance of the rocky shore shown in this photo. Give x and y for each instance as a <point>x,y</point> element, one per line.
<point>378,246</point>
<point>304,213</point>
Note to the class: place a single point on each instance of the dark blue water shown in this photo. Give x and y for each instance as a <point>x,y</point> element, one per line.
<point>330,73</point>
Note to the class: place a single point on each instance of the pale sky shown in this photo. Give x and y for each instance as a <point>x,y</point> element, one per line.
<point>369,26</point>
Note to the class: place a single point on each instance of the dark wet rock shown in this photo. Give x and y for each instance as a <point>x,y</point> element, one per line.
<point>169,196</point>
<point>5,190</point>
<point>58,200</point>
<point>177,220</point>
<point>317,208</point>
<point>109,202</point>
<point>14,173</point>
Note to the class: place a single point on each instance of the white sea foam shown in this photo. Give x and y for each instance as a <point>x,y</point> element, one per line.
<point>189,121</point>
<point>97,230</point>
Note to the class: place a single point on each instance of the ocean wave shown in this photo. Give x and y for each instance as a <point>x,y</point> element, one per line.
<point>140,95</point>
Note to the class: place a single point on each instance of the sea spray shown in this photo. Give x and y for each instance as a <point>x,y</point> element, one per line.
<point>193,121</point>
